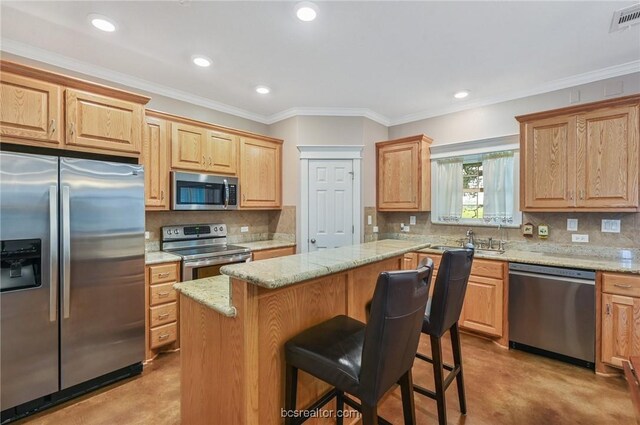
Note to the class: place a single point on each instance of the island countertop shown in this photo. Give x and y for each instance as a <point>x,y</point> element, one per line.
<point>292,269</point>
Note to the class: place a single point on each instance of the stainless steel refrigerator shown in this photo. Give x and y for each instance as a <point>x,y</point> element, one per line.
<point>72,275</point>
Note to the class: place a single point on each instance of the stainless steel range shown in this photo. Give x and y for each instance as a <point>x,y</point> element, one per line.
<point>203,248</point>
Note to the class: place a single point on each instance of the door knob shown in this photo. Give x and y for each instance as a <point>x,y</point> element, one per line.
<point>313,241</point>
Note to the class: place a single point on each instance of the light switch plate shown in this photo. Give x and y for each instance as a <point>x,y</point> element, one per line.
<point>579,238</point>
<point>244,229</point>
<point>610,226</point>
<point>147,235</point>
<point>369,220</point>
<point>412,220</point>
<point>572,224</point>
<point>375,229</point>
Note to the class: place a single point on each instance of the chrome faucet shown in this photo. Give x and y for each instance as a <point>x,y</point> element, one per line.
<point>470,239</point>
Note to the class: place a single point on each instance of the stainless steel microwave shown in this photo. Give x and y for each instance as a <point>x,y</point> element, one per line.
<point>194,191</point>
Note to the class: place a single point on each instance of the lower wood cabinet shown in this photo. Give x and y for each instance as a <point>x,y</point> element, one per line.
<point>272,253</point>
<point>162,309</point>
<point>620,318</point>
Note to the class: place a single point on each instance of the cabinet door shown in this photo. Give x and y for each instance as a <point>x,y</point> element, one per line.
<point>188,147</point>
<point>101,123</point>
<point>30,110</point>
<point>260,174</point>
<point>222,153</point>
<point>620,328</point>
<point>548,163</point>
<point>482,309</point>
<point>155,158</point>
<point>608,158</point>
<point>398,176</point>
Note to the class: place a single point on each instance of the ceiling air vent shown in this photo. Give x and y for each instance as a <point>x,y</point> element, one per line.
<point>624,18</point>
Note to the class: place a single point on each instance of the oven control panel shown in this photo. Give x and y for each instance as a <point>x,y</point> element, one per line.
<point>194,231</point>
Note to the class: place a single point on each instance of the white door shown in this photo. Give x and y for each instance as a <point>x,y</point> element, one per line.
<point>330,204</point>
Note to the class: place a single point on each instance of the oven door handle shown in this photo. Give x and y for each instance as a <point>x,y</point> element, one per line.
<point>226,193</point>
<point>218,260</point>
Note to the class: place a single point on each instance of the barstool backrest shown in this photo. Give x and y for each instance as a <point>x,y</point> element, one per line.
<point>451,286</point>
<point>393,330</point>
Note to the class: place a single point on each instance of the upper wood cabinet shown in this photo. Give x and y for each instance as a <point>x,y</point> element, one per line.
<point>583,158</point>
<point>188,147</point>
<point>101,123</point>
<point>155,158</point>
<point>260,174</point>
<point>97,119</point>
<point>30,110</point>
<point>404,174</point>
<point>222,152</point>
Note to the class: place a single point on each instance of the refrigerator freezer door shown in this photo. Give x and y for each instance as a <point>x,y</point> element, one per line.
<point>102,297</point>
<point>28,280</point>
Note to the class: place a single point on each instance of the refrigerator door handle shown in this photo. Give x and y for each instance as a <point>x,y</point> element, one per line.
<point>53,253</point>
<point>66,253</point>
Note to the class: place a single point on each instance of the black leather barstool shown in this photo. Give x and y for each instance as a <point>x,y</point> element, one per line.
<point>442,315</point>
<point>365,361</point>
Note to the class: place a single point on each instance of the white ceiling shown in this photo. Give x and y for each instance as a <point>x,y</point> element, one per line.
<point>391,61</point>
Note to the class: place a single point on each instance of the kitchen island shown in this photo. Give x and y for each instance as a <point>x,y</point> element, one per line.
<point>232,351</point>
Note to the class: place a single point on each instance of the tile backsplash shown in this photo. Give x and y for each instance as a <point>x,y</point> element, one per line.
<point>588,223</point>
<point>262,224</point>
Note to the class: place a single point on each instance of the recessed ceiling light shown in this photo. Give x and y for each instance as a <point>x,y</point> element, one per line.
<point>102,23</point>
<point>263,90</point>
<point>461,94</point>
<point>202,61</point>
<point>306,11</point>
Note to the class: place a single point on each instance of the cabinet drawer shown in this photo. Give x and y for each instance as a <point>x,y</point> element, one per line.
<point>272,253</point>
<point>486,268</point>
<point>163,273</point>
<point>435,257</point>
<point>163,314</point>
<point>162,294</point>
<point>621,284</point>
<point>163,335</point>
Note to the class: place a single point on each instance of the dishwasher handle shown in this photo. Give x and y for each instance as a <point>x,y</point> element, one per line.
<point>558,278</point>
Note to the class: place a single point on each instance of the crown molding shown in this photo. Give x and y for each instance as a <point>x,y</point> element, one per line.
<point>563,83</point>
<point>90,70</point>
<point>329,112</point>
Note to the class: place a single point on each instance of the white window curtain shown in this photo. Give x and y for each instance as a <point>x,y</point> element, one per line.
<point>449,191</point>
<point>499,190</point>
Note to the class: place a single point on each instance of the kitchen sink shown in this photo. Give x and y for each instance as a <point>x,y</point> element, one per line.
<point>478,250</point>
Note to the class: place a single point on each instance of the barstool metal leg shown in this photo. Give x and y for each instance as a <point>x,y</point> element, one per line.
<point>339,407</point>
<point>436,354</point>
<point>457,362</point>
<point>290,393</point>
<point>369,415</point>
<point>408,406</point>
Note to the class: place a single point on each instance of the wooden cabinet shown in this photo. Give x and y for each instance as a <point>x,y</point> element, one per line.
<point>260,174</point>
<point>102,124</point>
<point>222,153</point>
<point>188,147</point>
<point>620,315</point>
<point>272,253</point>
<point>155,158</point>
<point>404,174</point>
<point>583,158</point>
<point>162,309</point>
<point>30,110</point>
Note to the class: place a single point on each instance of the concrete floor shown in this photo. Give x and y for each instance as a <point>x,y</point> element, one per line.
<point>503,387</point>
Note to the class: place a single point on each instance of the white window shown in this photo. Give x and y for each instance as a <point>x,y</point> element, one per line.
<point>475,188</point>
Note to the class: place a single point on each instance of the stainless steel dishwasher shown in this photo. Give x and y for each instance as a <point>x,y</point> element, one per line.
<point>552,312</point>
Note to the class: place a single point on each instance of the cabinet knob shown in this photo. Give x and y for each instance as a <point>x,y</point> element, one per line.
<point>52,126</point>
<point>162,195</point>
<point>71,129</point>
<point>608,310</point>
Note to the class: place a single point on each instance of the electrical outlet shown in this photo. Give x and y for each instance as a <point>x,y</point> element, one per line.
<point>406,228</point>
<point>412,220</point>
<point>610,226</point>
<point>375,229</point>
<point>572,224</point>
<point>579,238</point>
<point>369,220</point>
<point>244,229</point>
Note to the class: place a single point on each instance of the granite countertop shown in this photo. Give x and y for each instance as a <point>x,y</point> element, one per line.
<point>213,292</point>
<point>270,244</point>
<point>283,271</point>
<point>157,257</point>
<point>559,259</point>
